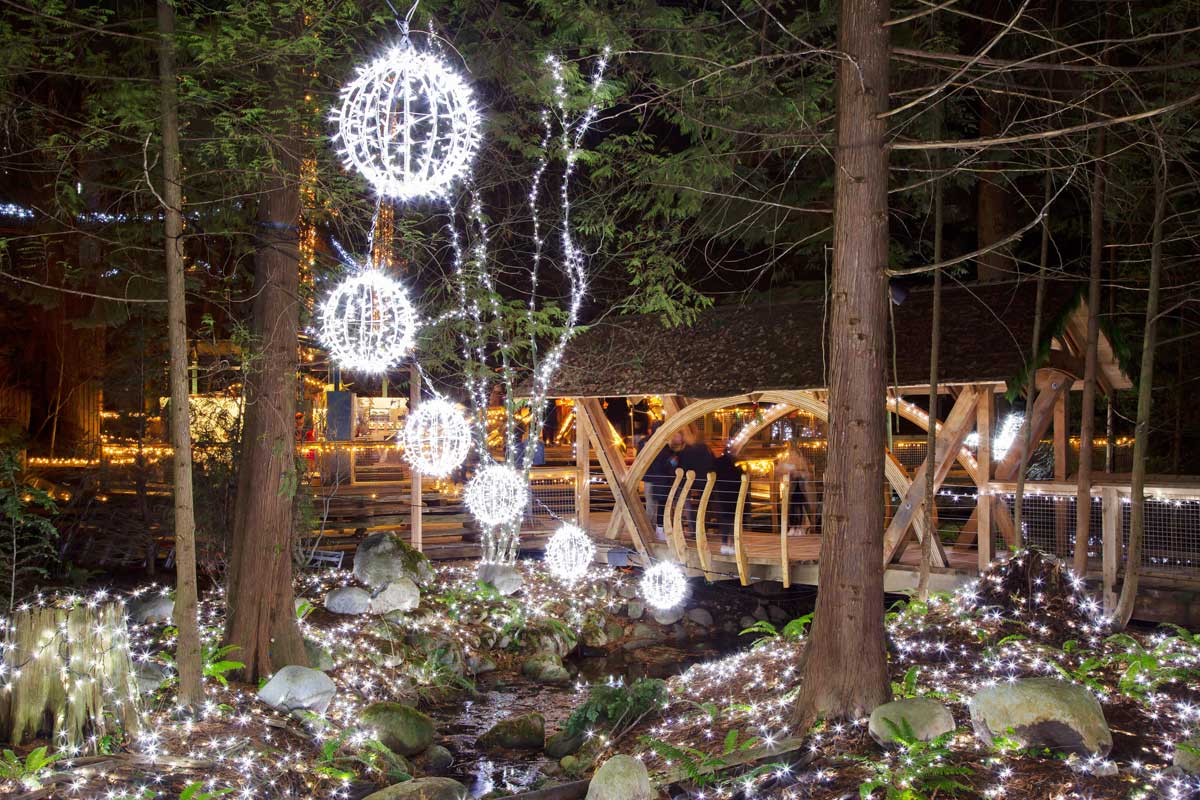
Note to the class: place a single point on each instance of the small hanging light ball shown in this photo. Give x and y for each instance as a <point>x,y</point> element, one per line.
<point>437,438</point>
<point>367,322</point>
<point>569,553</point>
<point>497,495</point>
<point>663,586</point>
<point>408,124</point>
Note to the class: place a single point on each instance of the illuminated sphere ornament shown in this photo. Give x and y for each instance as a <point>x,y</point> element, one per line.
<point>663,586</point>
<point>437,438</point>
<point>569,553</point>
<point>368,323</point>
<point>408,124</point>
<point>497,495</point>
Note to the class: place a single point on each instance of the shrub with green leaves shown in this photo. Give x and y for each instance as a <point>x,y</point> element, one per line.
<point>919,771</point>
<point>617,707</point>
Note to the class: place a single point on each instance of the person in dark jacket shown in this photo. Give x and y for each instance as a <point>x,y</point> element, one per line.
<point>724,497</point>
<point>696,457</point>
<point>659,478</point>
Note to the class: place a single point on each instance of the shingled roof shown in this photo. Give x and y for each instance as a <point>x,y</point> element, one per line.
<point>731,350</point>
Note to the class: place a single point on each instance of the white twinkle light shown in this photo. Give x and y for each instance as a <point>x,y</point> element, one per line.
<point>408,124</point>
<point>1007,435</point>
<point>569,553</point>
<point>368,323</point>
<point>497,495</point>
<point>437,438</point>
<point>663,585</point>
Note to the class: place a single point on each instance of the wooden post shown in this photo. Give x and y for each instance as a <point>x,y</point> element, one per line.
<point>583,479</point>
<point>785,491</point>
<point>739,547</point>
<point>677,539</point>
<point>1061,449</point>
<point>627,505</point>
<point>417,503</point>
<point>985,414</point>
<point>701,534</point>
<point>1111,548</point>
<point>70,676</point>
<point>669,508</point>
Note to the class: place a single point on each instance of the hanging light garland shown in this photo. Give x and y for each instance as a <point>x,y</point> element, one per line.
<point>1007,435</point>
<point>497,495</point>
<point>664,586</point>
<point>408,123</point>
<point>437,437</point>
<point>569,553</point>
<point>368,323</point>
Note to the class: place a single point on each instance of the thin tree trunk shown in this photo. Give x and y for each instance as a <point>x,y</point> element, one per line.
<point>1087,415</point>
<point>261,617</point>
<point>1141,432</point>
<point>935,344</point>
<point>1031,368</point>
<point>845,668</point>
<point>187,650</point>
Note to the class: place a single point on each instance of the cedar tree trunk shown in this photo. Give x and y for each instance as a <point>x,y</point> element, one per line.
<point>845,668</point>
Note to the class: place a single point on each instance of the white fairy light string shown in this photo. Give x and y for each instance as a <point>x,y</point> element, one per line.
<point>437,437</point>
<point>368,323</point>
<point>497,495</point>
<point>1007,436</point>
<point>664,586</point>
<point>408,123</point>
<point>569,553</point>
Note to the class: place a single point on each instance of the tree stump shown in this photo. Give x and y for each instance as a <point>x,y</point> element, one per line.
<point>68,676</point>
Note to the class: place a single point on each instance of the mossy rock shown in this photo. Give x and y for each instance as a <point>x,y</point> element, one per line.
<point>546,668</point>
<point>383,557</point>
<point>401,728</point>
<point>423,789</point>
<point>526,732</point>
<point>564,744</point>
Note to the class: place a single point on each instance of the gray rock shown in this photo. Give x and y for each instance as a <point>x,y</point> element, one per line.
<point>526,732</point>
<point>296,688</point>
<point>318,656</point>
<point>546,668</point>
<point>614,630</point>
<point>478,665</point>
<point>667,616</point>
<point>348,600</point>
<point>776,614</point>
<point>745,622</point>
<point>700,616</point>
<point>150,675</point>
<point>928,719</point>
<point>621,778</point>
<point>157,610</point>
<point>1043,712</point>
<point>383,557</point>
<point>505,577</point>
<point>628,590</point>
<point>634,609</point>
<point>643,631</point>
<point>401,728</point>
<point>435,760</point>
<point>760,613</point>
<point>594,635</point>
<point>401,594</point>
<point>564,744</point>
<point>423,789</point>
<point>555,641</point>
<point>1187,756</point>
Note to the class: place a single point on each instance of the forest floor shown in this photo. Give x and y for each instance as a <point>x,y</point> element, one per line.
<point>716,728</point>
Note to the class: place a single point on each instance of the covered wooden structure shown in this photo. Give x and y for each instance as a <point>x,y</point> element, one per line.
<point>774,356</point>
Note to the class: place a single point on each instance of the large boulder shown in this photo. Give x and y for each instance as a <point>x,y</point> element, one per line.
<point>156,610</point>
<point>546,668</point>
<point>423,789</point>
<point>434,761</point>
<point>296,688</point>
<point>526,732</point>
<point>402,729</point>
<point>927,718</point>
<point>383,557</point>
<point>634,609</point>
<point>400,594</point>
<point>1187,756</point>
<point>505,577</point>
<point>564,744</point>
<point>621,778</point>
<point>700,616</point>
<point>667,616</point>
<point>1042,712</point>
<point>348,600</point>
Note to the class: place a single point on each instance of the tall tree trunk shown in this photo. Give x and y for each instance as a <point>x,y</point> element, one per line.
<point>935,343</point>
<point>1087,414</point>
<point>187,650</point>
<point>1141,433</point>
<point>845,669</point>
<point>261,617</point>
<point>1026,444</point>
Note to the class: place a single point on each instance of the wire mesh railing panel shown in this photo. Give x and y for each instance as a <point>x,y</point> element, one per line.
<point>551,499</point>
<point>1171,540</point>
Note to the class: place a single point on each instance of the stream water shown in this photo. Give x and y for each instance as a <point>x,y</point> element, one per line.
<point>506,694</point>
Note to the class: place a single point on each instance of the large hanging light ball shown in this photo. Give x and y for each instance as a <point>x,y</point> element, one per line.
<point>664,586</point>
<point>408,124</point>
<point>368,323</point>
<point>497,495</point>
<point>437,438</point>
<point>569,553</point>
